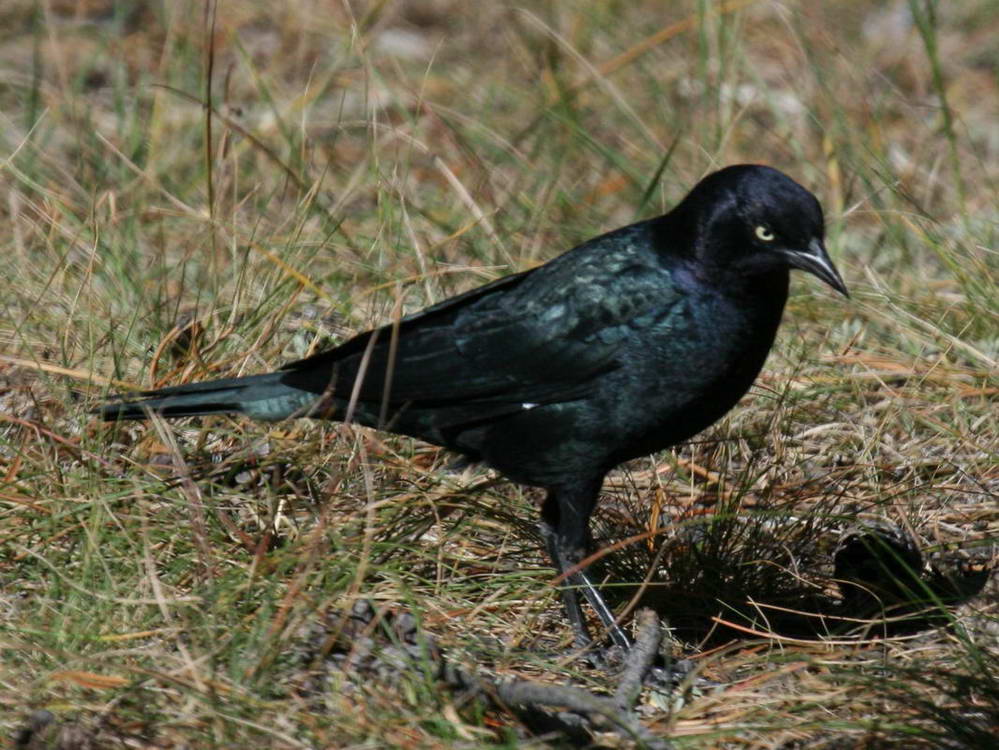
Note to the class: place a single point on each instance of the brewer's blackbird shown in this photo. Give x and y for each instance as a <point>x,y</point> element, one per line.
<point>627,344</point>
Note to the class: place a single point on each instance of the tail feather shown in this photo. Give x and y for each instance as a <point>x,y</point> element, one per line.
<point>259,396</point>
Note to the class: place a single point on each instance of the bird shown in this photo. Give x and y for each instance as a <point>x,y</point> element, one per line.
<point>625,345</point>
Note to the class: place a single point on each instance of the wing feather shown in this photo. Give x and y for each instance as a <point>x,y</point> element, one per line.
<point>537,337</point>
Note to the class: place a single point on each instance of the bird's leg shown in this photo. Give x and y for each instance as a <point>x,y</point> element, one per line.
<point>570,594</point>
<point>565,527</point>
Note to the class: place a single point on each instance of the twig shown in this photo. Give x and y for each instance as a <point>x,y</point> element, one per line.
<point>600,711</point>
<point>640,659</point>
<point>578,711</point>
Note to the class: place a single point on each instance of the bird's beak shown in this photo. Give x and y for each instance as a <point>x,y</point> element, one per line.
<point>817,261</point>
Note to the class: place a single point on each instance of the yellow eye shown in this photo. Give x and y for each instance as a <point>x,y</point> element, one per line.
<point>764,234</point>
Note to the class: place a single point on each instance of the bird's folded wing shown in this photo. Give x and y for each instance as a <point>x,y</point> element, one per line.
<point>531,338</point>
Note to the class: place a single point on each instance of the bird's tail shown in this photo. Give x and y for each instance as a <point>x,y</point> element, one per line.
<point>258,396</point>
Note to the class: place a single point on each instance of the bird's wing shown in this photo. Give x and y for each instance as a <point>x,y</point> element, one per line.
<point>562,330</point>
<point>403,348</point>
<point>536,337</point>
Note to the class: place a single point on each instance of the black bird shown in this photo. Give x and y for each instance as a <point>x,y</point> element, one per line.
<point>627,344</point>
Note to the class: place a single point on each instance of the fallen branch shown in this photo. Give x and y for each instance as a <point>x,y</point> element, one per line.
<point>571,711</point>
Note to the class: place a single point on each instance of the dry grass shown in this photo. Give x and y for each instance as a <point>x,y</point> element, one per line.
<point>160,585</point>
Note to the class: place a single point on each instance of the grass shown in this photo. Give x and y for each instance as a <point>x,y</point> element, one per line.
<point>171,585</point>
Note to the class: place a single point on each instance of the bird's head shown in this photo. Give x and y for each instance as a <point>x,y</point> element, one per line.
<point>752,220</point>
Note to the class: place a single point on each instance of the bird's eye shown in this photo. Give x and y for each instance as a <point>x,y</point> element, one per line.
<point>764,233</point>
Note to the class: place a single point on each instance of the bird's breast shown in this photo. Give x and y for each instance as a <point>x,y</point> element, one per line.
<point>692,372</point>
